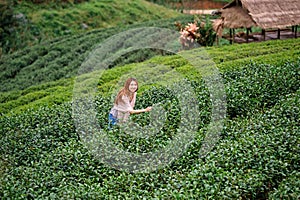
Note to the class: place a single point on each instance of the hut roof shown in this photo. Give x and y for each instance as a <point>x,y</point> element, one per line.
<point>236,17</point>
<point>261,13</point>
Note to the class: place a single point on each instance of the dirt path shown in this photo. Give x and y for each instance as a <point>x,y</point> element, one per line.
<point>198,12</point>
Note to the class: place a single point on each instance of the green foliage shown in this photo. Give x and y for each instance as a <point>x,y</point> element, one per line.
<point>7,22</point>
<point>42,20</point>
<point>56,1</point>
<point>61,58</point>
<point>198,32</point>
<point>259,86</point>
<point>265,52</point>
<point>207,33</point>
<point>288,188</point>
<point>257,156</point>
<point>41,150</point>
<point>51,93</point>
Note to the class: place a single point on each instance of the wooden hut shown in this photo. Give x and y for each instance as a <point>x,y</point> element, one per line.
<point>266,14</point>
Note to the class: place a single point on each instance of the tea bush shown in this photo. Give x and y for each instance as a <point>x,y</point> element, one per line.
<point>250,85</point>
<point>256,157</point>
<point>43,158</point>
<point>259,86</point>
<point>45,94</point>
<point>288,188</point>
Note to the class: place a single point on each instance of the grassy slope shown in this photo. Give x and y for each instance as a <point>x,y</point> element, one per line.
<point>60,57</point>
<point>49,92</point>
<point>95,14</point>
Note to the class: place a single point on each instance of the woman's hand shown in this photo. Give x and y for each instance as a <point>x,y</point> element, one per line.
<point>148,109</point>
<point>140,111</point>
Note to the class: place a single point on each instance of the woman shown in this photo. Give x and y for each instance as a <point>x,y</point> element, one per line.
<point>124,103</point>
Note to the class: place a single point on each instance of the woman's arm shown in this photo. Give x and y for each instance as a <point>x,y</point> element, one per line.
<point>141,110</point>
<point>127,106</point>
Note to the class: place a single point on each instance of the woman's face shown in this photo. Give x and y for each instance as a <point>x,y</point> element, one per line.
<point>133,86</point>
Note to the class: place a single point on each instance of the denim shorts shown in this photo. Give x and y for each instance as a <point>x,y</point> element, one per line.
<point>111,120</point>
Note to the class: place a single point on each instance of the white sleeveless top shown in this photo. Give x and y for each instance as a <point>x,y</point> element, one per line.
<point>121,111</point>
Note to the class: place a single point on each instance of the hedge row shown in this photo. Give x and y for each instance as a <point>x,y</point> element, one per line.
<point>248,88</point>
<point>61,58</point>
<point>51,93</point>
<point>42,157</point>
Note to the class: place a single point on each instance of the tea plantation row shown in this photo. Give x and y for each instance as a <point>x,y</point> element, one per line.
<point>233,56</point>
<point>61,57</point>
<point>256,156</point>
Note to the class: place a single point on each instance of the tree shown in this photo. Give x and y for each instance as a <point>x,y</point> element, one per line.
<point>7,22</point>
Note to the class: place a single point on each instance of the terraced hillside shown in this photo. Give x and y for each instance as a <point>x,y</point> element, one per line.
<point>28,75</point>
<point>94,14</point>
<point>256,155</point>
<point>35,23</point>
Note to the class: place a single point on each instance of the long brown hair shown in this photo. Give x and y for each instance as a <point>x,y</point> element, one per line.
<point>125,90</point>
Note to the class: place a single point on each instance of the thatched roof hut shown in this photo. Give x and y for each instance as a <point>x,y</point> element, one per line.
<point>261,13</point>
